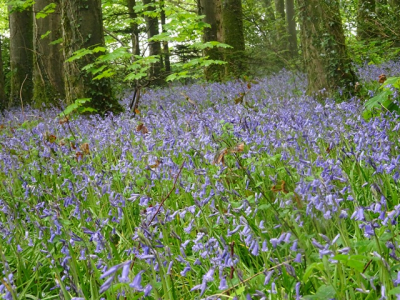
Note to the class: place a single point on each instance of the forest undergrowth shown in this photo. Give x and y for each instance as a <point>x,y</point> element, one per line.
<point>241,190</point>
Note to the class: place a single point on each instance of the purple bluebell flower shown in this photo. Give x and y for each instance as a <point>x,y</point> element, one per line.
<point>396,282</point>
<point>170,267</point>
<point>147,290</point>
<point>297,258</point>
<point>294,246</point>
<point>297,288</point>
<point>345,250</point>
<point>125,272</point>
<point>222,283</point>
<point>107,284</point>
<point>185,270</point>
<point>136,283</point>
<point>268,277</point>
<point>264,247</point>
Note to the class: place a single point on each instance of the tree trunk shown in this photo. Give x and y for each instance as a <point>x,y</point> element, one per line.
<point>232,24</point>
<point>134,27</point>
<point>48,59</point>
<point>154,47</point>
<point>167,62</point>
<point>280,25</point>
<point>82,27</point>
<point>366,15</point>
<point>21,56</point>
<point>212,16</point>
<point>323,45</point>
<point>395,8</point>
<point>291,28</point>
<point>3,102</point>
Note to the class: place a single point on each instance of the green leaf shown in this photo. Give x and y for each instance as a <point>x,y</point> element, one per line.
<point>326,292</point>
<point>383,100</point>
<point>55,42</point>
<point>79,54</point>
<point>310,269</point>
<point>46,11</point>
<point>74,106</point>
<point>395,291</point>
<point>45,35</point>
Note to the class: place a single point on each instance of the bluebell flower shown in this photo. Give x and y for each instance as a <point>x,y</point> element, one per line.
<point>268,277</point>
<point>147,290</point>
<point>136,283</point>
<point>125,272</point>
<point>222,283</point>
<point>185,270</point>
<point>107,284</point>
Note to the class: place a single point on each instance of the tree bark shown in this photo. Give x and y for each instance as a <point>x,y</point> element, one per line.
<point>280,25</point>
<point>233,34</point>
<point>323,45</point>
<point>3,101</point>
<point>134,27</point>
<point>154,47</point>
<point>212,16</point>
<point>395,8</point>
<point>165,50</point>
<point>82,27</point>
<point>48,58</point>
<point>21,56</point>
<point>366,15</point>
<point>291,27</point>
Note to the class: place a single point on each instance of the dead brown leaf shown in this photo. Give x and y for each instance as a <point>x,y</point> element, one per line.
<point>219,157</point>
<point>85,148</point>
<point>141,128</point>
<point>156,164</point>
<point>63,120</point>
<point>382,78</point>
<point>237,148</point>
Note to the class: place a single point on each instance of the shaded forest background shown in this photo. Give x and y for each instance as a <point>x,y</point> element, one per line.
<point>55,52</point>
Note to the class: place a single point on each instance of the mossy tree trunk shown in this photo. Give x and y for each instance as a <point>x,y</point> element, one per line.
<point>48,57</point>
<point>21,55</point>
<point>3,101</point>
<point>154,46</point>
<point>82,27</point>
<point>134,27</point>
<point>395,8</point>
<point>323,45</point>
<point>366,17</point>
<point>233,35</point>
<point>291,28</point>
<point>212,16</point>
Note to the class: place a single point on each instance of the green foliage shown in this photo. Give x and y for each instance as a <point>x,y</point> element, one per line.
<point>19,5</point>
<point>46,11</point>
<point>384,101</point>
<point>78,107</point>
<point>373,52</point>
